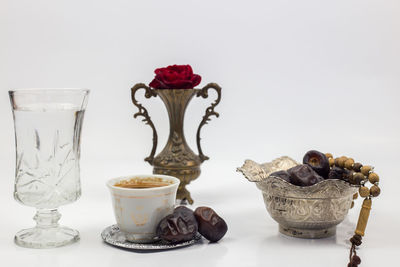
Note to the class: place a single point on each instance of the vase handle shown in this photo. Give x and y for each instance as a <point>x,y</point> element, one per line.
<point>146,118</point>
<point>209,112</point>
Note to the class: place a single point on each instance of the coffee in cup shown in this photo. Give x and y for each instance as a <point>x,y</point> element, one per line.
<point>144,182</point>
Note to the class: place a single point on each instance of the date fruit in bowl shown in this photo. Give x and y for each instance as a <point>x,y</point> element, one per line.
<point>304,175</point>
<point>318,162</point>
<point>284,175</point>
<point>338,173</point>
<point>315,169</point>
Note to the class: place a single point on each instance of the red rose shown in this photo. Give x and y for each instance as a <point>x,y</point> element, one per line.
<point>175,77</point>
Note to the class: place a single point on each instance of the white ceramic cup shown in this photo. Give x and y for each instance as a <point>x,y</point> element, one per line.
<point>138,211</point>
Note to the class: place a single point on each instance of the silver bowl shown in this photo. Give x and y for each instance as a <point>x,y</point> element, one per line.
<point>305,212</point>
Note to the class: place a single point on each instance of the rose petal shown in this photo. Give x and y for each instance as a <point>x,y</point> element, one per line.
<point>179,84</point>
<point>196,79</point>
<point>175,77</point>
<point>155,84</point>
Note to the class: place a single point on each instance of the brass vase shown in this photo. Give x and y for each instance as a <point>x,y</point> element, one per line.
<point>177,159</point>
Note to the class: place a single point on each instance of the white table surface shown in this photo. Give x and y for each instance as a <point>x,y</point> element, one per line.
<point>252,239</point>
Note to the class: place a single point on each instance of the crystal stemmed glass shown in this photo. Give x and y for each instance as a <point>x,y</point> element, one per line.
<point>47,125</point>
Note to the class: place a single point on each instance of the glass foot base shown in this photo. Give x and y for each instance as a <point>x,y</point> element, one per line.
<point>46,237</point>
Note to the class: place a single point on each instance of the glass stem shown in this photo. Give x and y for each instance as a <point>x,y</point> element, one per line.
<point>46,218</point>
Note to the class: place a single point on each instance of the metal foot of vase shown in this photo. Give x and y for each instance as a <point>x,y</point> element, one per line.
<point>185,176</point>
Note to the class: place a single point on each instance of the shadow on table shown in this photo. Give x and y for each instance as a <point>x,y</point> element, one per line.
<point>200,254</point>
<point>344,231</point>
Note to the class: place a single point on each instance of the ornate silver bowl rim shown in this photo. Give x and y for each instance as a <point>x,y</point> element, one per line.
<point>261,175</point>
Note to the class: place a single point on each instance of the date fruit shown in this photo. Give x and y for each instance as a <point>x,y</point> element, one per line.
<point>211,226</point>
<point>303,175</point>
<point>179,226</point>
<point>318,161</point>
<point>284,175</point>
<point>338,173</point>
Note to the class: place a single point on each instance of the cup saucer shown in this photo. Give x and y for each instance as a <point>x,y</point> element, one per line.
<point>115,237</point>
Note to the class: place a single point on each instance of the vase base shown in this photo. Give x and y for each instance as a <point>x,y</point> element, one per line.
<point>307,233</point>
<point>183,196</point>
<point>46,237</point>
<point>185,175</point>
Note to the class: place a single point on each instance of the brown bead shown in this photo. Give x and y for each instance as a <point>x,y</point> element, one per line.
<point>355,196</point>
<point>352,205</point>
<point>337,162</point>
<point>375,190</point>
<point>364,191</point>
<point>356,240</point>
<point>357,167</point>
<point>328,155</point>
<point>365,170</point>
<point>358,177</point>
<point>356,260</point>
<point>331,162</point>
<point>348,164</point>
<point>373,178</point>
<point>350,177</point>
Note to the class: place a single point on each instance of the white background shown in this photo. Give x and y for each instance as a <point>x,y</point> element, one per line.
<point>295,75</point>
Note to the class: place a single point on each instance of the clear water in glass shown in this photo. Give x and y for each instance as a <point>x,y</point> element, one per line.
<point>48,126</point>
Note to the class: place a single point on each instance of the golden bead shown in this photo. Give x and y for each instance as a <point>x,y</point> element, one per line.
<point>331,162</point>
<point>348,164</point>
<point>364,191</point>
<point>375,190</point>
<point>366,169</point>
<point>337,162</point>
<point>352,205</point>
<point>355,196</point>
<point>341,161</point>
<point>358,177</point>
<point>373,178</point>
<point>329,155</point>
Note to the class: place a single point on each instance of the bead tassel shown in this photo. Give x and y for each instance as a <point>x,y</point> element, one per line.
<point>363,218</point>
